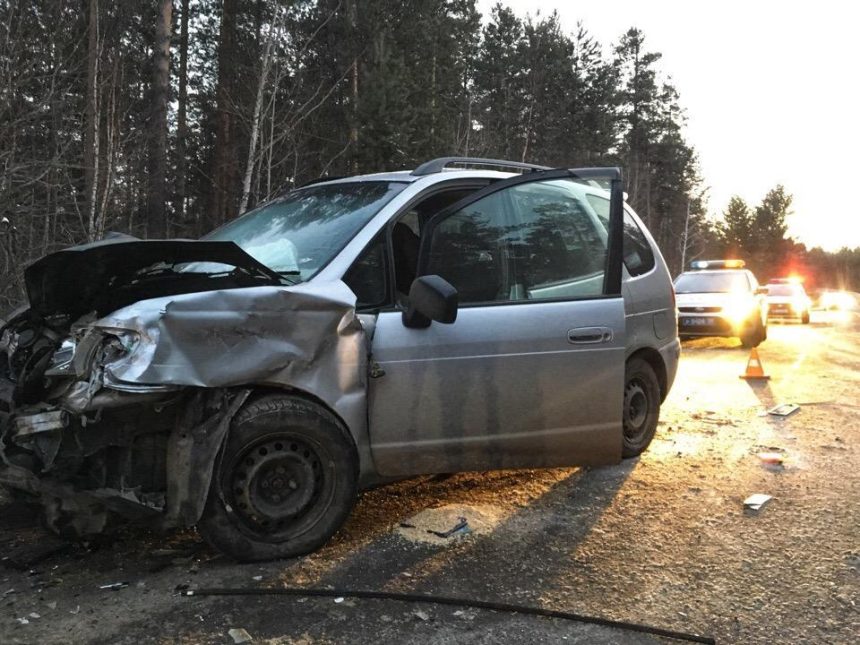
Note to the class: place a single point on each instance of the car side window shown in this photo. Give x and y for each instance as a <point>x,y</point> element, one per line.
<point>535,240</point>
<point>638,256</point>
<point>368,276</point>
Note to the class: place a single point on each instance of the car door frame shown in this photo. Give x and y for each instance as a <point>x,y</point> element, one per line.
<point>611,290</point>
<point>615,234</point>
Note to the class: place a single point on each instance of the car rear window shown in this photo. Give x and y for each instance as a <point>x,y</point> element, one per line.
<point>784,290</point>
<point>638,256</point>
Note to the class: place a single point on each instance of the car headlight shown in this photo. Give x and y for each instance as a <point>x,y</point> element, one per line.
<point>61,361</point>
<point>738,310</point>
<point>118,343</point>
<point>97,347</point>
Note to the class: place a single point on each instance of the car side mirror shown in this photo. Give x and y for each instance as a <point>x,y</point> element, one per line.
<point>761,291</point>
<point>431,298</point>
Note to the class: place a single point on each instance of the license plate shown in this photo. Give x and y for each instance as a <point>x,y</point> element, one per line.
<point>697,322</point>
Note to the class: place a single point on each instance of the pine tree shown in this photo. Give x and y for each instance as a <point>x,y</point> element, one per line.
<point>736,228</point>
<point>499,86</point>
<point>768,244</point>
<point>157,161</point>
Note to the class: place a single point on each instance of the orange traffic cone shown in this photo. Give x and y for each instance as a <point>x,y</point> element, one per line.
<point>754,369</point>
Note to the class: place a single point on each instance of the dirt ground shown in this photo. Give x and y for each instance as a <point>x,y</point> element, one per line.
<point>662,540</point>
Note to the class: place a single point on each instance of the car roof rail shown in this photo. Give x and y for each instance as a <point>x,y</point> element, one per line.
<point>320,180</point>
<point>438,165</point>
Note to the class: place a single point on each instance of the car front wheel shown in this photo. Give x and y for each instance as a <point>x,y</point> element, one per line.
<point>754,335</point>
<point>641,406</point>
<point>286,482</point>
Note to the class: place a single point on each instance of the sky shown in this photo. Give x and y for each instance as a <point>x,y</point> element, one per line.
<point>771,92</point>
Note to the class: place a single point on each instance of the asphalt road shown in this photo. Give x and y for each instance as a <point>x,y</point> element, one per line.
<point>662,540</point>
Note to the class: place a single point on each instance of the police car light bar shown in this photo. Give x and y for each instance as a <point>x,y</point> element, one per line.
<point>718,264</point>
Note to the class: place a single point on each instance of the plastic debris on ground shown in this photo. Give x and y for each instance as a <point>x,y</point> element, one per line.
<point>447,524</point>
<point>461,525</point>
<point>239,635</point>
<point>783,410</point>
<point>756,501</point>
<point>773,459</point>
<point>114,586</point>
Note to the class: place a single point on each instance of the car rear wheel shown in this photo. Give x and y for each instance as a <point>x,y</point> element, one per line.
<point>641,406</point>
<point>286,481</point>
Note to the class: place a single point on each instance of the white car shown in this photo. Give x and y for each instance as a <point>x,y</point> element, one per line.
<point>721,298</point>
<point>787,298</point>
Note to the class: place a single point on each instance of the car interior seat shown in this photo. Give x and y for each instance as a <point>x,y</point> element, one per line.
<point>406,245</point>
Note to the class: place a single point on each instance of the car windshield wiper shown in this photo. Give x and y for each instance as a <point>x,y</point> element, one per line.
<point>290,276</point>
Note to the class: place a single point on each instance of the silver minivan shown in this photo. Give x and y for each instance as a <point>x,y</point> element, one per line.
<point>351,332</point>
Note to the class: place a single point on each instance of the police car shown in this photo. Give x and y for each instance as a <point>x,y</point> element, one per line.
<point>721,298</point>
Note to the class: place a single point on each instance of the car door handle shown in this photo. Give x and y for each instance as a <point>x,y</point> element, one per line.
<point>589,335</point>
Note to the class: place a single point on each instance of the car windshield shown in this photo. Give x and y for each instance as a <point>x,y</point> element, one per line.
<point>298,234</point>
<point>711,283</point>
<point>784,290</point>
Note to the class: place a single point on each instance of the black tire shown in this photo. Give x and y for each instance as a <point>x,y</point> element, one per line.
<point>285,482</point>
<point>754,335</point>
<point>641,406</point>
<point>804,317</point>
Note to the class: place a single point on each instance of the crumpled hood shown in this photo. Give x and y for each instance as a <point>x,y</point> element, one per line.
<point>92,276</point>
<point>305,337</point>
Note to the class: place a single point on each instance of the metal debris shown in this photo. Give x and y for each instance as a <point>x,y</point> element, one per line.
<point>784,410</point>
<point>770,458</point>
<point>239,635</point>
<point>459,526</point>
<point>756,501</point>
<point>114,586</point>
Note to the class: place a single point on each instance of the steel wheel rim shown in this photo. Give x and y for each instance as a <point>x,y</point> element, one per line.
<point>279,486</point>
<point>636,408</point>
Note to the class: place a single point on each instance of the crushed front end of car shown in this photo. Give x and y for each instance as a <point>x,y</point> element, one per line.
<point>119,382</point>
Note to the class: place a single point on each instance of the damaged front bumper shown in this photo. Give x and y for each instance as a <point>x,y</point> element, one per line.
<point>127,413</point>
<point>132,463</point>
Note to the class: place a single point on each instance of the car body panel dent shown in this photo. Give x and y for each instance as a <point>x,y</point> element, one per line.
<point>305,337</point>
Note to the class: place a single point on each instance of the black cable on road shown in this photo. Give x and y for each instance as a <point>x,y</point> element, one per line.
<point>446,600</point>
